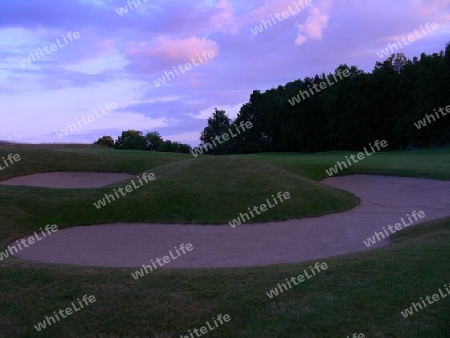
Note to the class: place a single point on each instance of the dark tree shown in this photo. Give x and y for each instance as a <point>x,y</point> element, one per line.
<point>131,139</point>
<point>105,141</point>
<point>218,124</point>
<point>153,141</point>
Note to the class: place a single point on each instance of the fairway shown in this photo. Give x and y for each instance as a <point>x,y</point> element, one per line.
<point>230,270</point>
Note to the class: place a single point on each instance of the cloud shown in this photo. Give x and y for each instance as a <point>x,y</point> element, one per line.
<point>231,110</point>
<point>178,49</point>
<point>429,7</point>
<point>224,19</point>
<point>156,56</point>
<point>271,8</point>
<point>315,24</point>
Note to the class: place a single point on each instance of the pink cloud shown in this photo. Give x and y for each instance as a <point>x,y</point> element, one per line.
<point>224,20</point>
<point>274,7</point>
<point>315,24</point>
<point>433,11</point>
<point>179,49</point>
<point>429,7</point>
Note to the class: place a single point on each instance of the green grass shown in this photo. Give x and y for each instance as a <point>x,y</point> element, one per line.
<point>37,160</point>
<point>430,163</point>
<point>362,292</point>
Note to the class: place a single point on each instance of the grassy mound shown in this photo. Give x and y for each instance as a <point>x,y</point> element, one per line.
<point>197,190</point>
<point>39,160</point>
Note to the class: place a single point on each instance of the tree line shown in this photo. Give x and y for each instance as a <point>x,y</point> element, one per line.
<point>346,113</point>
<point>349,114</point>
<point>135,140</point>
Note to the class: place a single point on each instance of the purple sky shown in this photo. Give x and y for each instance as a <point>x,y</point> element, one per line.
<point>118,58</point>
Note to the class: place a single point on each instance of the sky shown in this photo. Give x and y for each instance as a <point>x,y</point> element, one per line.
<point>61,61</point>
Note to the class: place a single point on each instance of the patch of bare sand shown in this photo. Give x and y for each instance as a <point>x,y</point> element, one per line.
<point>384,201</point>
<point>68,180</point>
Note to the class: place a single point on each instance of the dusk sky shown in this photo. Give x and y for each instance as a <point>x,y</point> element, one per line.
<point>119,57</point>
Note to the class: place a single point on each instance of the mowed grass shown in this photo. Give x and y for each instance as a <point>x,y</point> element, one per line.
<point>429,163</point>
<point>362,292</point>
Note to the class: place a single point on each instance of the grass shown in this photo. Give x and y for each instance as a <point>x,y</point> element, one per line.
<point>430,163</point>
<point>362,292</point>
<point>37,160</point>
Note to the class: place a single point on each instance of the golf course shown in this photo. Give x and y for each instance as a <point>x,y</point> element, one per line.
<point>230,270</point>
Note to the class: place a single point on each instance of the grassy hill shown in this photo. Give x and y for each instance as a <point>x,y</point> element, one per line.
<point>186,190</point>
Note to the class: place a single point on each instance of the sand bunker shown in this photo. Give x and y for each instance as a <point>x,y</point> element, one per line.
<point>67,180</point>
<point>384,201</point>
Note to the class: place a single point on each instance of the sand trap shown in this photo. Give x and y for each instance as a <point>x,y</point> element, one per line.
<point>384,201</point>
<point>67,180</point>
